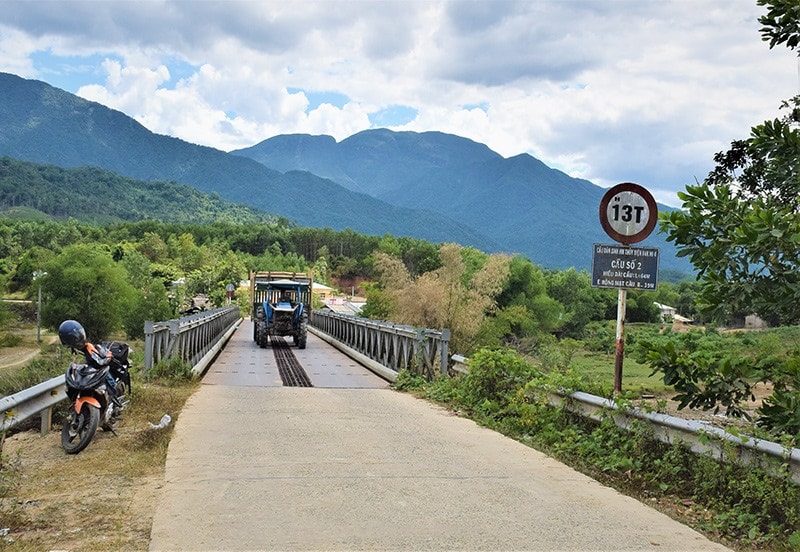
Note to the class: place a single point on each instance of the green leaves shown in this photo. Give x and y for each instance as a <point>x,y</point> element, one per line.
<point>83,283</point>
<point>705,373</point>
<point>781,23</point>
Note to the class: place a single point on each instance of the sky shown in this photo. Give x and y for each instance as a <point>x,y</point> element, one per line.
<point>643,91</point>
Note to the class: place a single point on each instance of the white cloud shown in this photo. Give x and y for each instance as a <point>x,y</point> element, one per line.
<point>15,50</point>
<point>607,91</point>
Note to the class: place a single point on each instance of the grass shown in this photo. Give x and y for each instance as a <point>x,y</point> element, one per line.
<point>102,498</point>
<point>636,379</point>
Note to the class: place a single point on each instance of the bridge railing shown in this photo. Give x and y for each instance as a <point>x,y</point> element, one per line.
<point>397,347</point>
<point>189,338</point>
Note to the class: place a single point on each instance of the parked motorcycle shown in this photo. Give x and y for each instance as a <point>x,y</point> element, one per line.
<point>91,406</point>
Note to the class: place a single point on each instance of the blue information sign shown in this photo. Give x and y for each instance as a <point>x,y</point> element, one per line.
<point>625,267</point>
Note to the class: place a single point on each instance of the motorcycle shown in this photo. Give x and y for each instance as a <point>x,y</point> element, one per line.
<point>90,400</point>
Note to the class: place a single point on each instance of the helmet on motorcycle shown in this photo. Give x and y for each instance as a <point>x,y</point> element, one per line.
<point>72,334</point>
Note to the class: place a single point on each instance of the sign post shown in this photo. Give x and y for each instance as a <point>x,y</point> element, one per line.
<point>628,214</point>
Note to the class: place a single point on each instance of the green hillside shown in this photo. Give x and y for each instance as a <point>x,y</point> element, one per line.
<point>42,124</point>
<point>35,191</point>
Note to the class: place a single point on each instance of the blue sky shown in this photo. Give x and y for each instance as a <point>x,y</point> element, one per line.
<point>645,91</point>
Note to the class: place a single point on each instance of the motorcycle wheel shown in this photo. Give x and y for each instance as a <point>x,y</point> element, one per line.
<point>79,428</point>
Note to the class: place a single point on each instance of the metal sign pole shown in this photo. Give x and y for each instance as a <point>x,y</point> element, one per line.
<point>620,349</point>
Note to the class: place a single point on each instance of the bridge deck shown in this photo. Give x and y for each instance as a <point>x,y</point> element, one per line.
<point>243,363</point>
<point>253,465</point>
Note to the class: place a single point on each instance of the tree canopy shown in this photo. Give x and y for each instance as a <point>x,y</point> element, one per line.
<point>740,227</point>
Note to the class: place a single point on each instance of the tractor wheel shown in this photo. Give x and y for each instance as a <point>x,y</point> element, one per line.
<point>302,335</point>
<point>258,319</point>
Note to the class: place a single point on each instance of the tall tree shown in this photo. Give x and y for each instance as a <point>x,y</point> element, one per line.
<point>741,226</point>
<point>453,296</point>
<point>83,283</point>
<point>741,230</point>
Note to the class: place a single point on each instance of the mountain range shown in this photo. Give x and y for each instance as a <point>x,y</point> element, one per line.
<point>432,186</point>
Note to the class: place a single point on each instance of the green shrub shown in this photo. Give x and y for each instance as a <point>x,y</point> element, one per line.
<point>494,377</point>
<point>408,381</point>
<point>10,340</point>
<point>172,369</point>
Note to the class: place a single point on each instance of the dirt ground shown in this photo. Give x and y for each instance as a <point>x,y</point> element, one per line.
<point>100,499</point>
<point>76,502</point>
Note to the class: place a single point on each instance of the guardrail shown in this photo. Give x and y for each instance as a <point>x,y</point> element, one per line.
<point>189,338</point>
<point>41,398</point>
<point>392,346</point>
<point>701,437</point>
<point>195,339</point>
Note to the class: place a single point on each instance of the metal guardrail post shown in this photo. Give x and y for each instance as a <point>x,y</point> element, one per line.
<point>444,352</point>
<point>29,402</point>
<point>148,345</point>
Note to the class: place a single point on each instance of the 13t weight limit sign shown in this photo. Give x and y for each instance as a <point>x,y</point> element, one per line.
<point>628,213</point>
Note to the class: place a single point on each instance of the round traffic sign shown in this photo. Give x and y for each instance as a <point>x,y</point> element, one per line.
<point>628,213</point>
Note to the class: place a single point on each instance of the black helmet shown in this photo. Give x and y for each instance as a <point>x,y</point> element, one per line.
<point>72,334</point>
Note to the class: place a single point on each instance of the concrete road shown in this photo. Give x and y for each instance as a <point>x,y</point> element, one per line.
<point>283,468</point>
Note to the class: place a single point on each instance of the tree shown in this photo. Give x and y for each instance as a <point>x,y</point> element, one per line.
<point>83,283</point>
<point>150,300</point>
<point>740,227</point>
<point>321,265</point>
<point>523,307</point>
<point>453,296</point>
<point>781,23</point>
<point>582,303</point>
<point>741,230</point>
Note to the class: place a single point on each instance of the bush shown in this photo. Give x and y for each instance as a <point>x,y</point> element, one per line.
<point>9,340</point>
<point>494,377</point>
<point>171,370</point>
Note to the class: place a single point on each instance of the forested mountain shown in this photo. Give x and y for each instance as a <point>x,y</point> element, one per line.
<point>44,124</point>
<point>431,186</point>
<point>99,196</point>
<point>519,202</point>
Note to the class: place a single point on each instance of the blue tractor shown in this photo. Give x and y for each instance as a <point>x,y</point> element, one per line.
<point>281,306</point>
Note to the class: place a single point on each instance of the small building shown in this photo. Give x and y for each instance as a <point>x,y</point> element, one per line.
<point>670,314</point>
<point>755,322</point>
<point>321,291</point>
<point>667,313</point>
<point>340,305</point>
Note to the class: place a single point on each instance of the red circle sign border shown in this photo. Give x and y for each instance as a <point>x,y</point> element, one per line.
<point>651,206</point>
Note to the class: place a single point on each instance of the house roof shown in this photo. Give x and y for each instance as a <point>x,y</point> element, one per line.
<point>344,307</point>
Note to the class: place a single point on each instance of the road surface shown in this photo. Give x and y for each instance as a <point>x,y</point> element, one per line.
<point>253,465</point>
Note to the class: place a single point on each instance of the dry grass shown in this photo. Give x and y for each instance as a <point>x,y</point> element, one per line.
<point>100,499</point>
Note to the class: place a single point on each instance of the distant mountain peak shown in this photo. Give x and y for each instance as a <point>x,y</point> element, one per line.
<point>428,185</point>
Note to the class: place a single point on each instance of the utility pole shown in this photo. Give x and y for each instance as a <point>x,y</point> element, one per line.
<point>36,276</point>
